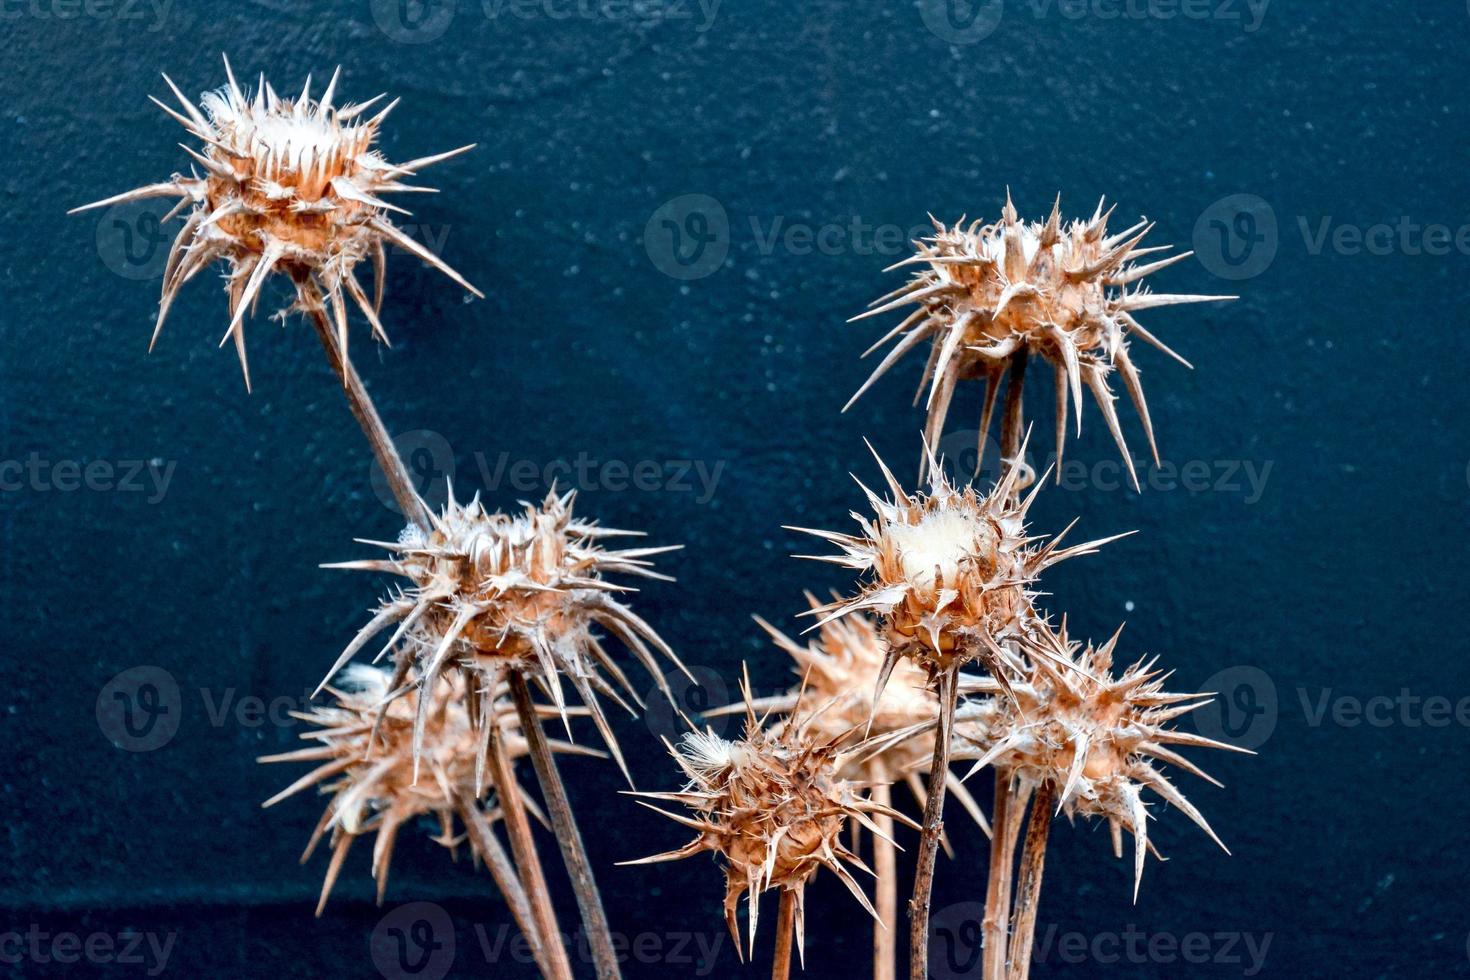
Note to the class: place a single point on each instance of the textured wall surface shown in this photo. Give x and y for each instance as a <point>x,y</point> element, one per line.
<point>1321,538</point>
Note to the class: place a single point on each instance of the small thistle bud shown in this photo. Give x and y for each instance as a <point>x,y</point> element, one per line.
<point>288,186</point>
<point>949,571</point>
<point>1096,738</point>
<point>491,592</point>
<point>988,293</point>
<point>774,806</point>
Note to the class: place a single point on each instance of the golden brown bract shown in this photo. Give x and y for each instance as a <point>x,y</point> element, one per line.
<point>490,592</point>
<point>987,294</point>
<point>1098,739</point>
<point>288,186</point>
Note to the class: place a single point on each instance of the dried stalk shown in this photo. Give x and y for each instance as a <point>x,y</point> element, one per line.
<point>1010,805</point>
<point>1009,809</point>
<point>564,825</point>
<point>1028,897</point>
<point>523,847</point>
<point>885,863</point>
<point>399,480</point>
<point>933,830</point>
<point>785,928</point>
<point>480,832</point>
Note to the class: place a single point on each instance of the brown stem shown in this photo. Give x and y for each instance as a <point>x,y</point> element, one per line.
<point>399,480</point>
<point>564,825</point>
<point>1012,424</point>
<point>1010,805</point>
<point>785,929</point>
<point>487,845</point>
<point>885,864</point>
<point>933,829</point>
<point>1028,897</point>
<point>523,847</point>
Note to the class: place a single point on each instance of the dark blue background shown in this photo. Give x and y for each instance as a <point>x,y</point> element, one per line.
<point>1344,372</point>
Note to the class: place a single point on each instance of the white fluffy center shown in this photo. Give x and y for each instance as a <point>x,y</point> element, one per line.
<point>942,539</point>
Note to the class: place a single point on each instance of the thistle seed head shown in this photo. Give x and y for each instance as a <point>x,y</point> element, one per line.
<point>289,186</point>
<point>1099,739</point>
<point>773,805</point>
<point>948,571</point>
<point>491,592</point>
<point>986,294</point>
<point>364,744</point>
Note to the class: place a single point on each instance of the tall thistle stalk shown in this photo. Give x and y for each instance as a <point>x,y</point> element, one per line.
<point>988,298</point>
<point>295,188</point>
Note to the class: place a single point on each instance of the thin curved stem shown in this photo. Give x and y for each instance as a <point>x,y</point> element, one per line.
<point>785,928</point>
<point>564,825</point>
<point>487,845</point>
<point>523,847</point>
<point>933,830</point>
<point>399,480</point>
<point>885,864</point>
<point>1028,894</point>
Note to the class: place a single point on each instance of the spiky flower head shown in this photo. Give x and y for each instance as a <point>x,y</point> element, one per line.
<point>773,805</point>
<point>289,186</point>
<point>490,592</point>
<point>949,572</point>
<point>988,295</point>
<point>839,693</point>
<point>1099,740</point>
<point>364,744</point>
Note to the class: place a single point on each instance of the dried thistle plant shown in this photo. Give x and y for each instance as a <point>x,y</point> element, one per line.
<point>1098,739</point>
<point>292,186</point>
<point>949,577</point>
<point>774,806</point>
<point>990,296</point>
<point>837,694</point>
<point>840,671</point>
<point>492,593</point>
<point>364,746</point>
<point>949,572</point>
